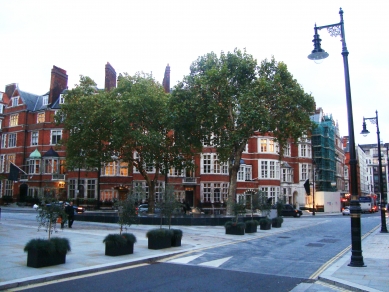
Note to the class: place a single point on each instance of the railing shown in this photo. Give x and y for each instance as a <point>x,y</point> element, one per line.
<point>23,177</point>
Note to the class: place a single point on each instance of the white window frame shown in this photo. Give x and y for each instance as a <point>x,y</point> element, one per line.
<point>269,169</point>
<point>34,138</point>
<point>4,141</point>
<point>55,137</point>
<point>245,172</point>
<point>61,99</point>
<point>207,192</point>
<point>15,101</point>
<point>12,140</point>
<point>210,164</point>
<point>45,100</point>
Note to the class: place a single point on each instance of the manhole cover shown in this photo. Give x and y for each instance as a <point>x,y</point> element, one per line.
<point>315,244</point>
<point>328,240</point>
<point>283,237</point>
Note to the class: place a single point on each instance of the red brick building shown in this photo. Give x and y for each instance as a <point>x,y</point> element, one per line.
<point>29,137</point>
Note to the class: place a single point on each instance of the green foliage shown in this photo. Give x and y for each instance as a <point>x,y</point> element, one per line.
<point>252,223</point>
<point>55,244</point>
<point>159,233</point>
<point>263,203</point>
<point>48,213</point>
<point>225,100</point>
<point>230,224</point>
<point>279,206</point>
<point>264,221</point>
<point>120,239</point>
<point>177,233</point>
<point>237,208</point>
<point>278,219</point>
<point>127,211</point>
<point>168,205</point>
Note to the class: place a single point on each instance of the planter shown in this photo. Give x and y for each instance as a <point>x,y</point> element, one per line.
<point>159,238</point>
<point>276,222</point>
<point>265,226</point>
<point>235,230</point>
<point>118,250</point>
<point>40,258</point>
<point>176,238</point>
<point>159,242</point>
<point>251,228</point>
<point>119,244</point>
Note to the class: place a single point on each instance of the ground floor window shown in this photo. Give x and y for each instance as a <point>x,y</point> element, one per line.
<point>108,195</point>
<point>213,192</point>
<point>271,192</point>
<point>33,192</point>
<point>8,188</point>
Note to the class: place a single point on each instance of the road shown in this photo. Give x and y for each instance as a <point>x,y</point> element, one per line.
<point>273,263</point>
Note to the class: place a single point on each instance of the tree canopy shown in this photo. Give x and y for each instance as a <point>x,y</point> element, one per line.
<point>225,100</point>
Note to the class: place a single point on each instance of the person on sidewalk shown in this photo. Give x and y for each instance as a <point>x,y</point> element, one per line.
<point>69,210</point>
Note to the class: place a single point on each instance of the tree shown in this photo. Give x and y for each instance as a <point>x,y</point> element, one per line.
<point>127,211</point>
<point>87,116</point>
<point>225,100</point>
<point>169,204</point>
<point>141,131</point>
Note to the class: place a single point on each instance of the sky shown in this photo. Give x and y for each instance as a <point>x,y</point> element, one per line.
<point>81,36</point>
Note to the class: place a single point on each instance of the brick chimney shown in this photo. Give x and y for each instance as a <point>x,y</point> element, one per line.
<point>10,88</point>
<point>166,79</point>
<point>110,77</point>
<point>59,82</point>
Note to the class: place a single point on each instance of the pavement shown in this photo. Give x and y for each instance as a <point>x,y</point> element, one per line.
<point>87,254</point>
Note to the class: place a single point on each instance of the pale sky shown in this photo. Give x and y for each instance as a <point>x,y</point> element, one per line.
<point>82,36</point>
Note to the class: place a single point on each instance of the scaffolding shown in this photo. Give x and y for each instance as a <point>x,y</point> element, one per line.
<point>323,146</point>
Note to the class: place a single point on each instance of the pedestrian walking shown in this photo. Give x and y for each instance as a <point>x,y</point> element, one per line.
<point>69,210</point>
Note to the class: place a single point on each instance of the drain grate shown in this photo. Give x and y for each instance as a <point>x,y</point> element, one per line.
<point>283,236</point>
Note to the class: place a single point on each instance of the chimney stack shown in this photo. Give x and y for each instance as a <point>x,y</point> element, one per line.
<point>110,77</point>
<point>59,82</point>
<point>166,79</point>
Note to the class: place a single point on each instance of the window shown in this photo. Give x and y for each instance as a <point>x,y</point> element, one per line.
<point>12,140</point>
<point>305,150</point>
<point>56,136</point>
<point>1,121</point>
<point>115,168</point>
<point>1,105</point>
<point>210,164</point>
<point>91,189</point>
<point>45,100</point>
<point>33,192</point>
<point>141,191</point>
<point>271,192</point>
<point>15,101</point>
<point>148,167</point>
<point>72,188</point>
<point>270,169</point>
<point>263,145</point>
<point>8,188</point>
<point>287,175</point>
<point>304,171</point>
<point>158,191</point>
<point>41,118</point>
<point>61,99</point>
<point>4,141</point>
<point>34,166</point>
<point>244,173</point>
<point>51,165</point>
<point>34,138</point>
<point>213,192</point>
<point>5,161</point>
<point>13,121</point>
<point>287,149</point>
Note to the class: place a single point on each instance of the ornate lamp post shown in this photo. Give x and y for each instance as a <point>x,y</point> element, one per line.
<point>383,199</point>
<point>317,55</point>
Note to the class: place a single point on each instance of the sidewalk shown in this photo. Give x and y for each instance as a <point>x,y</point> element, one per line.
<point>87,255</point>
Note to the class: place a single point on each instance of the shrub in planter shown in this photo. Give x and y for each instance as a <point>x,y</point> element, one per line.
<point>265,224</point>
<point>46,252</point>
<point>277,222</point>
<point>119,244</point>
<point>176,238</point>
<point>235,228</point>
<point>159,238</point>
<point>251,226</point>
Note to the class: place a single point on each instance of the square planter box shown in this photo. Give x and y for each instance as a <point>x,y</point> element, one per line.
<point>176,241</point>
<point>39,258</point>
<point>251,228</point>
<point>234,230</point>
<point>159,242</point>
<point>265,226</point>
<point>275,224</point>
<point>118,250</point>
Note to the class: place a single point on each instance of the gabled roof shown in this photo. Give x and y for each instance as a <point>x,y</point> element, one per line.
<point>51,153</point>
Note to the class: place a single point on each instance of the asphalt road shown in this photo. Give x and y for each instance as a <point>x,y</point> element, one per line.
<point>274,263</point>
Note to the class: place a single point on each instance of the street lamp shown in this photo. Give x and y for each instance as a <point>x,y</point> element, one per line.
<point>355,209</point>
<point>364,133</point>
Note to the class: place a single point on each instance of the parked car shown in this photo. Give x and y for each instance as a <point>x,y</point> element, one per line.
<point>77,209</point>
<point>289,210</point>
<point>143,208</point>
<point>346,210</point>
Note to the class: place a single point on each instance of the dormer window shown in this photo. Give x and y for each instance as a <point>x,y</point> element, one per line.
<point>1,108</point>
<point>61,99</point>
<point>15,101</point>
<point>45,100</point>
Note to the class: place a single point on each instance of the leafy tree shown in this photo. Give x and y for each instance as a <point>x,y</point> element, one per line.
<point>225,100</point>
<point>168,205</point>
<point>127,211</point>
<point>141,132</point>
<point>48,213</point>
<point>87,116</point>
